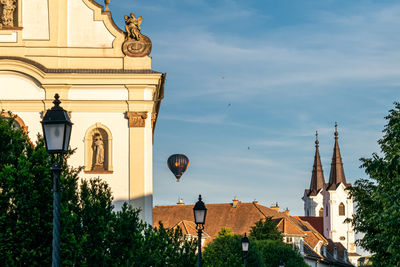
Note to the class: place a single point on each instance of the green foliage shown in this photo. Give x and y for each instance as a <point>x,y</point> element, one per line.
<point>265,230</point>
<point>226,251</point>
<point>378,198</point>
<point>92,234</point>
<point>225,231</point>
<point>273,251</point>
<point>25,211</point>
<point>266,248</point>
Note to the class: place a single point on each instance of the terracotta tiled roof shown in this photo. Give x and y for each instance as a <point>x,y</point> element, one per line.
<point>288,226</point>
<point>316,222</point>
<point>340,253</point>
<point>240,218</point>
<point>188,227</point>
<point>310,252</point>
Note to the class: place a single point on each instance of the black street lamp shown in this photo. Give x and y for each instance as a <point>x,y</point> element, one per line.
<point>245,248</point>
<point>57,133</point>
<point>200,212</point>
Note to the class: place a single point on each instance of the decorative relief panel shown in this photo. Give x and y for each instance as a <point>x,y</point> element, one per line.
<point>136,119</point>
<point>153,119</point>
<point>8,14</point>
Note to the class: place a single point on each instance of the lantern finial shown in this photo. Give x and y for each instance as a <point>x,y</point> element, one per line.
<point>56,101</point>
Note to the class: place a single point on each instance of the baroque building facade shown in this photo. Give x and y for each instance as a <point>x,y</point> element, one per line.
<point>331,202</point>
<point>104,78</point>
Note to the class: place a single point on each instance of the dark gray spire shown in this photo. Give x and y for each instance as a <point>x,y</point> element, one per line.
<point>337,172</point>
<point>317,176</point>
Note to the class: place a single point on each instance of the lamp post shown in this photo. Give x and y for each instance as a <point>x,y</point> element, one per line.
<point>57,133</point>
<point>281,263</point>
<point>245,248</point>
<point>200,212</point>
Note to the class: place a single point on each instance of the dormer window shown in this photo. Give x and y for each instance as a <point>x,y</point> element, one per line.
<point>324,250</point>
<point>301,246</point>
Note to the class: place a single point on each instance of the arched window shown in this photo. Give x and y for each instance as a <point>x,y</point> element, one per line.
<point>321,212</point>
<point>326,210</point>
<point>98,149</point>
<point>341,209</point>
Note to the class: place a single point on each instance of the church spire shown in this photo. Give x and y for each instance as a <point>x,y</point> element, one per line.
<point>337,173</point>
<point>317,177</point>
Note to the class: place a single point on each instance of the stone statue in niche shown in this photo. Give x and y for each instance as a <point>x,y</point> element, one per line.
<point>7,18</point>
<point>98,152</point>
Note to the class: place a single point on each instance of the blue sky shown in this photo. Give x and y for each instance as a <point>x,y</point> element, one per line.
<point>265,75</point>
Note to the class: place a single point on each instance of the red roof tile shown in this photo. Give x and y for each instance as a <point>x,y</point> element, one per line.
<point>316,222</point>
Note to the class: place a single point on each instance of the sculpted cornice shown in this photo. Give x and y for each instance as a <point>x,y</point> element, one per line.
<point>62,70</point>
<point>45,75</point>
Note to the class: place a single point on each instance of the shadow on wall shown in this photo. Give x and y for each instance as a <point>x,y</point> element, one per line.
<point>144,203</point>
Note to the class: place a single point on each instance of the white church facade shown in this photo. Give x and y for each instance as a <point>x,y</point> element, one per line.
<point>331,201</point>
<point>104,78</point>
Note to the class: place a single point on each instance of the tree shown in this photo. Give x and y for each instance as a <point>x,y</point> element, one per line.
<point>378,197</point>
<point>92,233</point>
<point>226,251</point>
<point>25,199</point>
<point>265,230</point>
<point>266,248</point>
<point>268,240</point>
<point>273,251</point>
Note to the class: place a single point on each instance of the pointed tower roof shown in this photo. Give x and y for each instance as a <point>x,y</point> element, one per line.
<point>317,177</point>
<point>337,172</point>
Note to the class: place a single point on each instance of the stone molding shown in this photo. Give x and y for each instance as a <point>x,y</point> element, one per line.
<point>153,119</point>
<point>94,71</point>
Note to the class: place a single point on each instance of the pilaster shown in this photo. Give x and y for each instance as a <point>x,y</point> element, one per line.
<point>140,170</point>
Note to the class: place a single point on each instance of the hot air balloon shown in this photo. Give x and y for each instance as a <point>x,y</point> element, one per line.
<point>178,164</point>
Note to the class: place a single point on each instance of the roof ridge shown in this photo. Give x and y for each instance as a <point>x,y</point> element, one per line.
<point>184,224</point>
<point>255,204</point>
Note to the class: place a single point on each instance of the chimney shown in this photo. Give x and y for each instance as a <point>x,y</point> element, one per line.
<point>275,207</point>
<point>180,202</point>
<point>235,202</point>
<point>287,212</point>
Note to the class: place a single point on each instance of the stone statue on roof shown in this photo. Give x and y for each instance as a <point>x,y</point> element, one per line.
<point>133,26</point>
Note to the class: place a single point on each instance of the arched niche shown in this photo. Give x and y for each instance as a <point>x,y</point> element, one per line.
<point>18,122</point>
<point>98,149</point>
